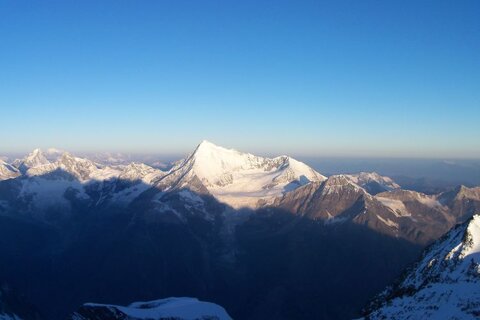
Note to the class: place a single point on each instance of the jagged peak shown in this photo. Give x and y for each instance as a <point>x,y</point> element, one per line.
<point>462,191</point>
<point>369,174</point>
<point>67,155</point>
<point>136,168</point>
<point>36,153</point>
<point>338,180</point>
<point>210,160</point>
<point>363,178</point>
<point>233,176</point>
<point>209,157</point>
<point>69,159</point>
<point>35,158</point>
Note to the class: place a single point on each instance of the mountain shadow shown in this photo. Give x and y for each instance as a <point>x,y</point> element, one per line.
<point>263,264</point>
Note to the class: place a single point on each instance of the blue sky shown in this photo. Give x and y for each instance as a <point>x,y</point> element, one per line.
<point>337,78</point>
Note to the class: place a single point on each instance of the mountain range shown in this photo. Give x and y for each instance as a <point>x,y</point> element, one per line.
<point>253,234</point>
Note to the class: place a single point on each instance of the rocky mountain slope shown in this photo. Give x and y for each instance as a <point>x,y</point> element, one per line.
<point>444,284</point>
<point>398,213</point>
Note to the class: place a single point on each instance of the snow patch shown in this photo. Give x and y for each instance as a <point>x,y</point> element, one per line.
<point>174,308</point>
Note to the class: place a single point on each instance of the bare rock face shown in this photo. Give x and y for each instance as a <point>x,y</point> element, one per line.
<point>322,200</point>
<point>339,200</point>
<point>462,201</point>
<point>411,215</point>
<point>444,284</point>
<point>425,217</point>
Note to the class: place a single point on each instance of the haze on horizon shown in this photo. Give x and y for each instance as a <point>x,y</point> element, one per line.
<point>348,78</point>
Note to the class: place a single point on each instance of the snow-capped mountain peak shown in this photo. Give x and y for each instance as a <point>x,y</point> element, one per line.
<point>237,178</point>
<point>373,182</point>
<point>139,171</point>
<point>35,159</point>
<point>36,156</point>
<point>81,168</point>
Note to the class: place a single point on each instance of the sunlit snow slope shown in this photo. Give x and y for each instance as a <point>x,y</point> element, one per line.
<point>236,178</point>
<point>445,284</point>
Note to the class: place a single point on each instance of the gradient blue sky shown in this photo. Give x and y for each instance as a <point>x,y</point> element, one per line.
<point>337,78</point>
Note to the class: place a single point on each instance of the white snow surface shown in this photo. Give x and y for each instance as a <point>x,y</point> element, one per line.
<point>239,179</point>
<point>46,182</point>
<point>7,171</point>
<point>34,159</point>
<point>363,178</point>
<point>181,308</point>
<point>445,283</point>
<point>83,169</point>
<point>235,178</point>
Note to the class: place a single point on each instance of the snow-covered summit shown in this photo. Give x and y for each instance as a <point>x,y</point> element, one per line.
<point>170,308</point>
<point>445,284</point>
<point>237,178</point>
<point>78,168</point>
<point>35,159</point>
<point>139,171</point>
<point>44,185</point>
<point>39,163</point>
<point>373,182</point>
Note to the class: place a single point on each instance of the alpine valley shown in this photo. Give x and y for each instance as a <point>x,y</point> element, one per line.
<point>264,238</point>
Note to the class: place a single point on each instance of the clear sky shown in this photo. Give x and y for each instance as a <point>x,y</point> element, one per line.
<point>337,78</point>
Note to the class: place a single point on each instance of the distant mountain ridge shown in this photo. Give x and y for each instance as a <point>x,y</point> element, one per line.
<point>239,180</point>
